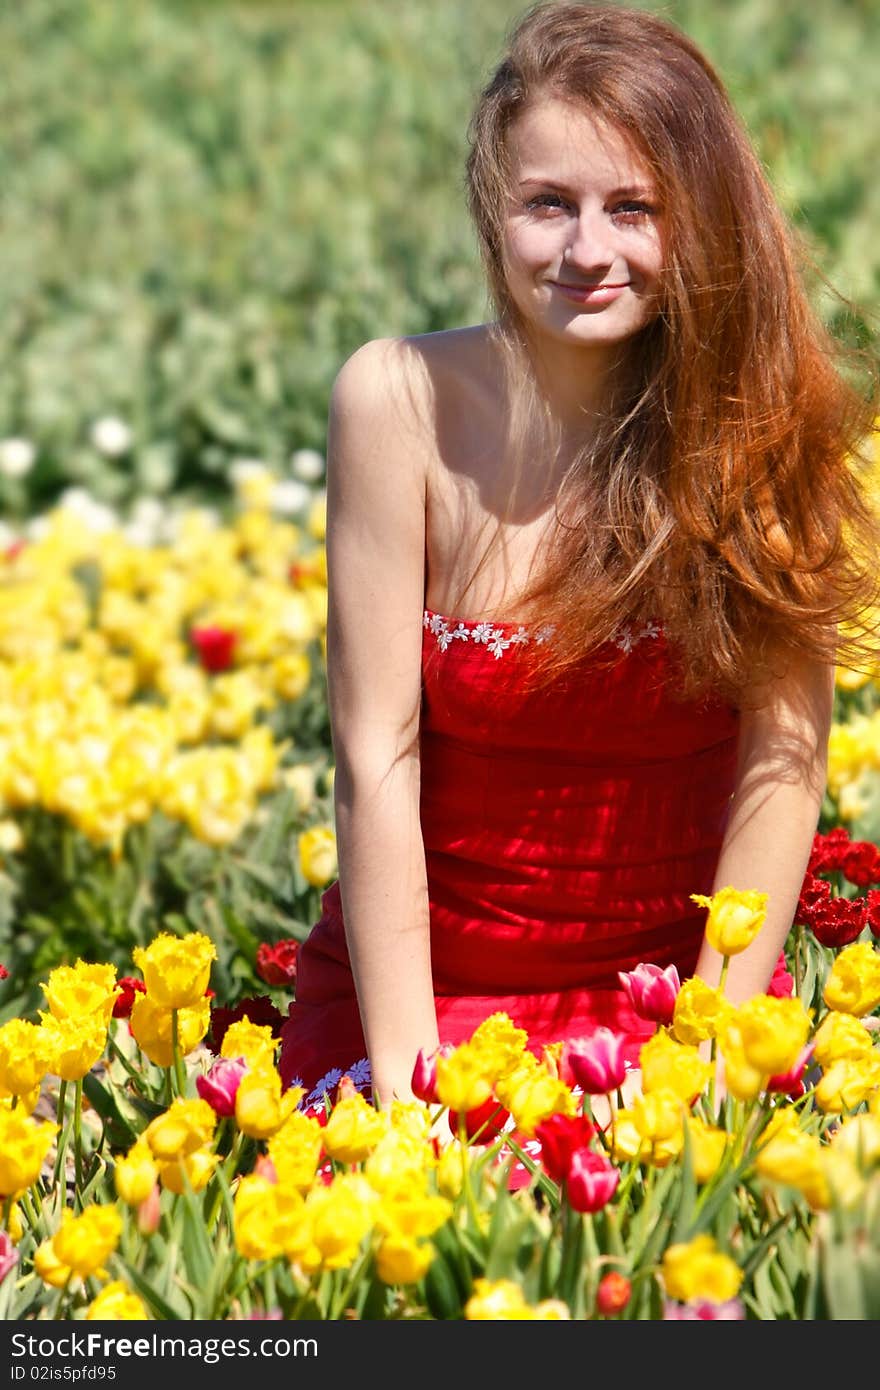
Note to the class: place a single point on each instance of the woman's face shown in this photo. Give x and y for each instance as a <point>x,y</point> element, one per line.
<point>583,238</point>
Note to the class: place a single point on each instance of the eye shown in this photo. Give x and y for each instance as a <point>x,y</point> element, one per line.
<point>632,211</point>
<point>546,202</point>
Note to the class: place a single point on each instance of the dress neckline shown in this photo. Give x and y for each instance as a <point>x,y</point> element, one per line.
<point>497,635</point>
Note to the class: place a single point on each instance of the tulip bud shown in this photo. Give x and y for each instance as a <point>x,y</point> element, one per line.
<point>149,1212</point>
<point>220,1087</point>
<point>651,991</point>
<point>613,1294</point>
<point>424,1077</point>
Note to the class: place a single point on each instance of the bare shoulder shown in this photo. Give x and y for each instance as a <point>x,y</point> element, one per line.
<point>414,376</point>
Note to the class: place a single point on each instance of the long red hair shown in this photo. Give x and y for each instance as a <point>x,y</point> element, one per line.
<point>724,495</point>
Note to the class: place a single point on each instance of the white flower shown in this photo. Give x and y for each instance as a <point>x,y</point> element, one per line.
<point>290,497</point>
<point>444,637</point>
<point>521,635</point>
<point>482,632</point>
<point>544,633</point>
<point>461,633</point>
<point>241,470</point>
<point>498,644</point>
<point>95,515</point>
<point>307,465</point>
<point>436,623</point>
<point>147,511</point>
<point>111,436</point>
<point>16,457</point>
<point>139,535</point>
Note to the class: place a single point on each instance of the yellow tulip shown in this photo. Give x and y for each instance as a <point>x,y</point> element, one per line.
<point>24,1145</point>
<point>25,1055</point>
<point>735,918</point>
<point>135,1174</point>
<point>74,990</point>
<point>853,983</point>
<point>176,969</point>
<point>83,1243</point>
<point>185,1126</point>
<point>260,1105</point>
<point>401,1260</point>
<point>317,854</point>
<point>151,1028</point>
<point>672,1066</point>
<point>116,1303</point>
<point>773,1032</point>
<point>353,1129</point>
<point>696,1269</point>
<point>77,1043</point>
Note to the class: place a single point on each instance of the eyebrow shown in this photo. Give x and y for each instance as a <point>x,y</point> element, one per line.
<point>630,190</point>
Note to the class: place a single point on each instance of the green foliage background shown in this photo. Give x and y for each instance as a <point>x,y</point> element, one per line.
<point>206,206</point>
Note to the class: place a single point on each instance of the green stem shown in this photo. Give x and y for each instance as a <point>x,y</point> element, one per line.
<point>77,1141</point>
<point>798,958</point>
<point>179,1074</point>
<point>33,1219</point>
<point>62,1139</point>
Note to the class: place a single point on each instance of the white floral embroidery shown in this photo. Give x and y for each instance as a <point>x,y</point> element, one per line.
<point>628,638</point>
<point>492,637</point>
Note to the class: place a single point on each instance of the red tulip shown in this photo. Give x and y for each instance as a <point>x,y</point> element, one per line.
<point>215,647</point>
<point>130,986</point>
<point>276,964</point>
<point>484,1123</point>
<point>560,1137</point>
<point>791,1083</point>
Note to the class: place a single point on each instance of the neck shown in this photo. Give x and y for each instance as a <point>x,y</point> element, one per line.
<point>579,385</point>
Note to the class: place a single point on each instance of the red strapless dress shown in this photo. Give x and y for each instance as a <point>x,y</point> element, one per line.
<point>564,834</point>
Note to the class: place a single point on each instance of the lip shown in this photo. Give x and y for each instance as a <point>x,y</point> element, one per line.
<point>591,294</point>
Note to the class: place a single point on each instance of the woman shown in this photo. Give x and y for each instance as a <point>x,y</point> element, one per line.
<point>591,565</point>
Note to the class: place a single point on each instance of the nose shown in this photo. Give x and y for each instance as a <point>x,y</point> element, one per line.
<point>590,249</point>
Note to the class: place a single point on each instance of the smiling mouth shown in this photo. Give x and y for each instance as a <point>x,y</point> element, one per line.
<point>587,289</point>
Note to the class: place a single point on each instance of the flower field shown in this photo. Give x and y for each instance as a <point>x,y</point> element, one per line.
<point>166,778</point>
<point>167,831</point>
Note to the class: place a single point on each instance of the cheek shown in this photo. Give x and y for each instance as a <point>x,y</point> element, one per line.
<point>531,246</point>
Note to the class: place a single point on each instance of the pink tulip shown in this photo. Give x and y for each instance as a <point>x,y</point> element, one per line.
<point>591,1182</point>
<point>424,1077</point>
<point>652,991</point>
<point>8,1255</point>
<point>220,1086</point>
<point>597,1062</point>
<point>704,1310</point>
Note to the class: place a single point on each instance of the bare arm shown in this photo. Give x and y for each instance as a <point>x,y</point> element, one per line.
<point>375,557</point>
<point>780,783</point>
